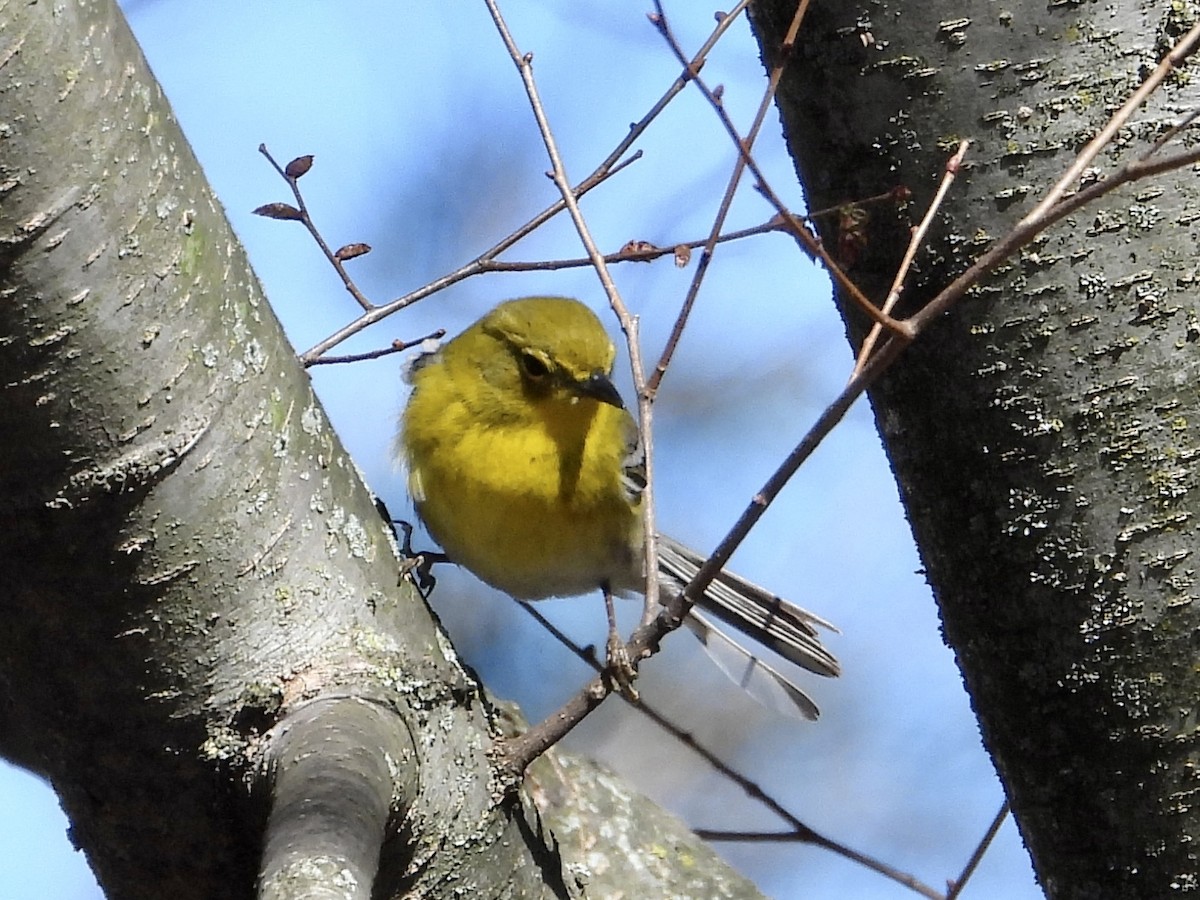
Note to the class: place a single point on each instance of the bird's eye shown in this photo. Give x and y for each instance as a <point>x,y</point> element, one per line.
<point>534,366</point>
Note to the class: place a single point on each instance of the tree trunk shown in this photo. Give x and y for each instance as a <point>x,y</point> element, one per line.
<point>1043,434</point>
<point>204,647</point>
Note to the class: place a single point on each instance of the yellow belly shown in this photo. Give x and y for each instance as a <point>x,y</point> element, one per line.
<point>535,509</point>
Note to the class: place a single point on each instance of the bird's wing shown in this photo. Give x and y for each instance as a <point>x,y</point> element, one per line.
<point>756,612</point>
<point>766,685</point>
<point>633,467</point>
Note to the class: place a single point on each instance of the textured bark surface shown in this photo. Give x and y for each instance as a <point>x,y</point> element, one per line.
<point>185,550</point>
<point>188,558</point>
<point>1043,434</point>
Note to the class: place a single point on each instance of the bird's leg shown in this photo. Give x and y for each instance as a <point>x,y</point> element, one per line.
<point>618,666</point>
<point>414,564</point>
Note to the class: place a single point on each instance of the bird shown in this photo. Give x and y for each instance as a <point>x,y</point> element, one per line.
<point>526,467</point>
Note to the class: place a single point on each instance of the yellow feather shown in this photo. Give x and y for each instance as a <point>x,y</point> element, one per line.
<point>522,483</point>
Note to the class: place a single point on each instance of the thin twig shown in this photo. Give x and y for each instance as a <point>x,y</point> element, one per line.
<point>634,251</point>
<point>777,837</point>
<point>735,177</point>
<point>659,19</point>
<point>609,166</point>
<point>524,64</point>
<point>799,833</point>
<point>477,266</point>
<point>294,183</point>
<point>956,886</point>
<point>895,195</point>
<point>795,225</point>
<point>396,347</point>
<point>1170,134</point>
<point>915,242</point>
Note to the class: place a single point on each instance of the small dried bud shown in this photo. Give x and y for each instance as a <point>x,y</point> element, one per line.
<point>637,249</point>
<point>683,255</point>
<point>298,166</point>
<point>352,250</point>
<point>280,211</point>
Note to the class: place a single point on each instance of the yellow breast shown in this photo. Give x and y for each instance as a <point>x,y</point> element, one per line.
<point>532,504</point>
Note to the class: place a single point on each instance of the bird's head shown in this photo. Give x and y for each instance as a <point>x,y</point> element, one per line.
<point>552,349</point>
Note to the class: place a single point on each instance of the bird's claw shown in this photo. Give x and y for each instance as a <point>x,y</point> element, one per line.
<point>619,668</point>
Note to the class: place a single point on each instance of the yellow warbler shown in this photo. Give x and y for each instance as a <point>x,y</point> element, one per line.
<point>526,467</point>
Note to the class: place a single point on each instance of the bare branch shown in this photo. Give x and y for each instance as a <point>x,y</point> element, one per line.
<point>981,848</point>
<point>661,23</point>
<point>292,174</point>
<point>918,238</point>
<point>524,64</point>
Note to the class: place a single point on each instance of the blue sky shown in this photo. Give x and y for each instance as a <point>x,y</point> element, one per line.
<point>425,149</point>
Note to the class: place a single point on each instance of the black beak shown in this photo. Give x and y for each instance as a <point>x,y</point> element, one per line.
<point>599,387</point>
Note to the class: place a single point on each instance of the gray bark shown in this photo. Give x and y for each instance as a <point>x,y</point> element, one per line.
<point>203,632</point>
